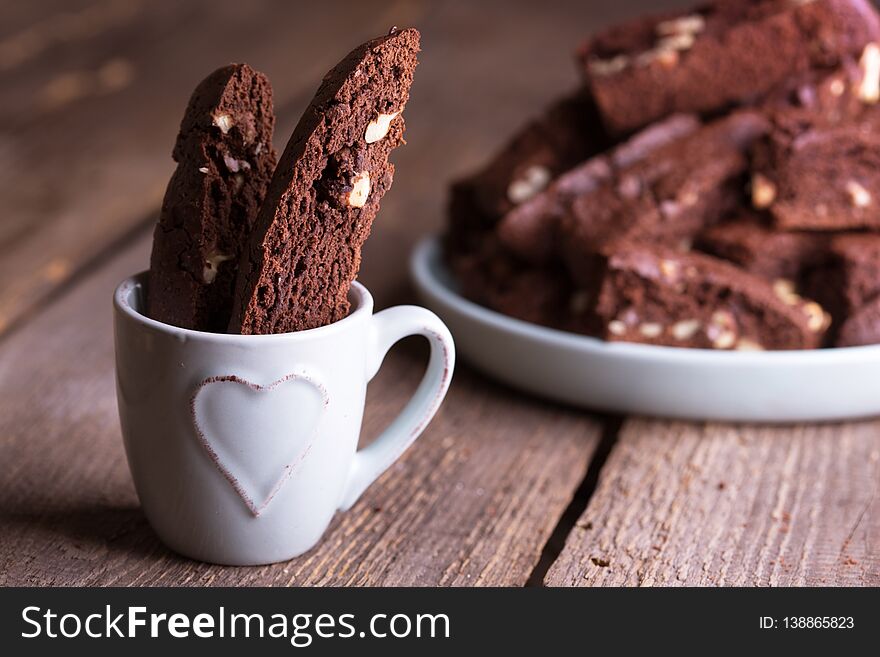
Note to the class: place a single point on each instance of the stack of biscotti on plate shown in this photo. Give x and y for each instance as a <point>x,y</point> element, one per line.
<point>245,246</point>
<point>713,183</point>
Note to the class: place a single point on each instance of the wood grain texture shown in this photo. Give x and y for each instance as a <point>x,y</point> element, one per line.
<point>718,505</point>
<point>473,502</point>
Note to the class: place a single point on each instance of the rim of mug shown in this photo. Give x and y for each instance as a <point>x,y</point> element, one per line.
<point>362,303</point>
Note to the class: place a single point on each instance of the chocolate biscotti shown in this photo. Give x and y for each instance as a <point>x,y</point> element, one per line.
<point>862,328</point>
<point>848,277</point>
<point>305,249</point>
<point>823,179</point>
<point>748,241</point>
<point>670,195</point>
<point>726,53</point>
<point>652,295</point>
<point>530,230</point>
<point>491,276</point>
<point>224,161</point>
<point>819,168</point>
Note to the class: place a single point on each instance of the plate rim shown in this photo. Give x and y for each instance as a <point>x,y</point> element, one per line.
<point>427,255</point>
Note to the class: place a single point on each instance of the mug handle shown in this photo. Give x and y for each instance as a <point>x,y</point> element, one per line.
<point>387,327</point>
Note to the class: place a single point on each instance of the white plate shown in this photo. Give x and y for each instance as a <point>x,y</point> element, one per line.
<point>780,386</point>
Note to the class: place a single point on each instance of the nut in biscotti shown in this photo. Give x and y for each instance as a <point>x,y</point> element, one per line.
<point>817,319</point>
<point>691,24</point>
<point>685,329</point>
<point>212,265</point>
<point>224,122</point>
<point>603,67</point>
<point>360,190</point>
<point>378,127</point>
<point>869,88</point>
<point>745,344</point>
<point>859,196</point>
<point>533,180</point>
<point>785,290</point>
<point>763,191</point>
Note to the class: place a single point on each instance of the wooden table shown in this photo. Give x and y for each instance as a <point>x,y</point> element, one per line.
<point>502,489</point>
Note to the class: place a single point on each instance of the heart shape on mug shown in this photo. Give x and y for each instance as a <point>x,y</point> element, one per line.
<point>258,435</point>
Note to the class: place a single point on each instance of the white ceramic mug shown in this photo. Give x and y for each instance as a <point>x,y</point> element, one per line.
<point>242,447</point>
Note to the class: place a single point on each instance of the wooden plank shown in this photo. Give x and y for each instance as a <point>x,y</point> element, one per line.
<point>719,505</point>
<point>472,503</point>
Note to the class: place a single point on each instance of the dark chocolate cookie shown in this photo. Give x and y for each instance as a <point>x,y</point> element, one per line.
<point>862,328</point>
<point>529,230</point>
<point>818,167</point>
<point>669,195</point>
<point>224,161</point>
<point>746,240</point>
<point>643,293</point>
<point>493,277</point>
<point>722,54</point>
<point>305,249</point>
<point>849,277</point>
